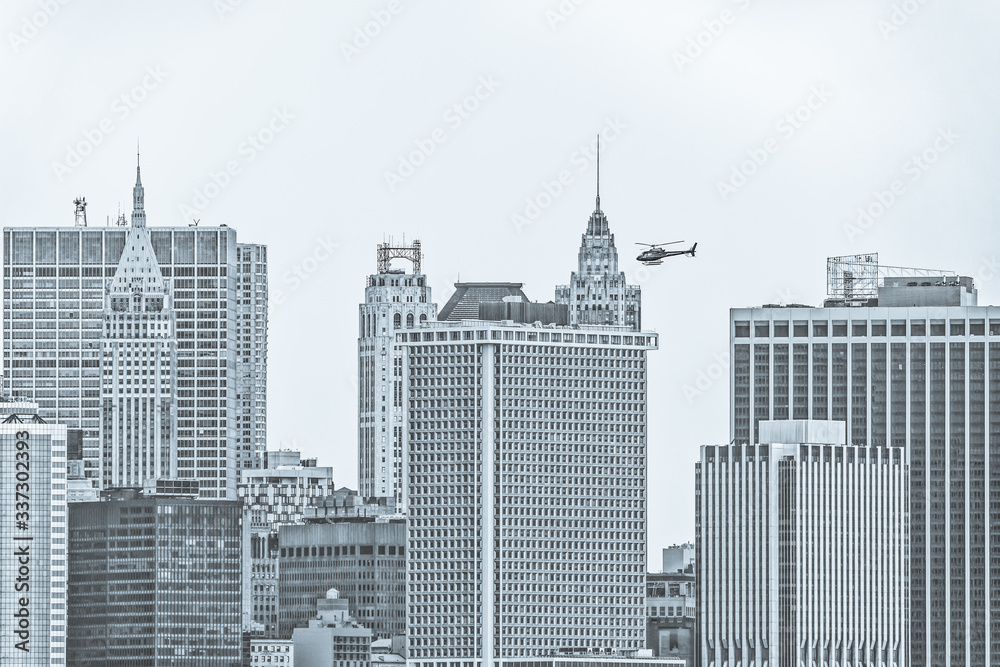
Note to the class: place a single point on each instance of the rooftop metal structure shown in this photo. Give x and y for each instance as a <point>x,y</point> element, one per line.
<point>388,252</point>
<point>858,277</point>
<point>80,212</point>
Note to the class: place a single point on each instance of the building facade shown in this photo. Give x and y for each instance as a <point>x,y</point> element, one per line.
<point>138,365</point>
<point>33,530</point>
<point>273,652</point>
<point>251,355</point>
<point>597,292</point>
<point>154,580</point>
<point>912,365</point>
<point>394,300</point>
<point>53,289</point>
<point>671,629</point>
<point>525,491</point>
<point>801,550</point>
<point>275,495</point>
<point>364,558</point>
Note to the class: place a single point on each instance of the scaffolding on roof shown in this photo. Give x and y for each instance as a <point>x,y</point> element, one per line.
<point>858,277</point>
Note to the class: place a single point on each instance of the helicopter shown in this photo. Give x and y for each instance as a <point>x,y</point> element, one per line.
<point>655,254</point>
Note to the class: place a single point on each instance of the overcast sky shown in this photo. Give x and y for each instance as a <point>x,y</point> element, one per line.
<point>758,129</point>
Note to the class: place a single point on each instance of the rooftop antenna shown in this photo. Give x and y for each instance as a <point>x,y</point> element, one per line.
<point>598,171</point>
<point>81,211</point>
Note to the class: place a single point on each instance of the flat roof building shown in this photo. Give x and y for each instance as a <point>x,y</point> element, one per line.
<point>33,532</point>
<point>904,358</point>
<point>526,490</point>
<point>362,557</point>
<point>801,550</point>
<point>154,580</point>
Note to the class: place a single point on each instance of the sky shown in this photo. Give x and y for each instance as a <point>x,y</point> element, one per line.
<point>773,134</point>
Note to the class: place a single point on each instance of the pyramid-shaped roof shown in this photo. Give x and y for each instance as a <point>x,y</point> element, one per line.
<point>138,270</point>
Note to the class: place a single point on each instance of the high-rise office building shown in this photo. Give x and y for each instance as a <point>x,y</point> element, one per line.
<point>33,530</point>
<point>526,490</point>
<point>904,358</point>
<point>801,544</point>
<point>154,580</point>
<point>139,365</point>
<point>597,292</point>
<point>53,289</point>
<point>394,300</point>
<point>251,355</point>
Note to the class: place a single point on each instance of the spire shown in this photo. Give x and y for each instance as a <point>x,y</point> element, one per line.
<point>598,171</point>
<point>138,206</point>
<point>598,223</point>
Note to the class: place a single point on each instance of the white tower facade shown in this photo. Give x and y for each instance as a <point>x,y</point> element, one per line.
<point>394,300</point>
<point>138,365</point>
<point>526,490</point>
<point>801,550</point>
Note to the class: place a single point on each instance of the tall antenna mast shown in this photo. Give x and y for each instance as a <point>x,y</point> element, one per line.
<point>598,171</point>
<point>80,212</point>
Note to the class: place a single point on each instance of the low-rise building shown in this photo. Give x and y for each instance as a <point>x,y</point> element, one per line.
<point>333,638</point>
<point>670,606</point>
<point>274,652</point>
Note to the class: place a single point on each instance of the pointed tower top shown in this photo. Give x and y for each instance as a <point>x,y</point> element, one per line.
<point>138,269</point>
<point>138,195</point>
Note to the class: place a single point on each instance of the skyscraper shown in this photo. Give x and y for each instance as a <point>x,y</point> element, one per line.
<point>33,530</point>
<point>526,490</point>
<point>53,286</point>
<point>139,365</point>
<point>394,300</point>
<point>597,292</point>
<point>801,545</point>
<point>904,358</point>
<point>251,355</point>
